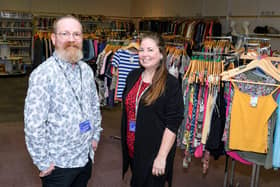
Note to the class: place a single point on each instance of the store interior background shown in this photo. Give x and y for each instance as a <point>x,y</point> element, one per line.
<point>257,12</point>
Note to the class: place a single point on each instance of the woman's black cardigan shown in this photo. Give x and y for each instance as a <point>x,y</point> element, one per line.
<point>166,112</point>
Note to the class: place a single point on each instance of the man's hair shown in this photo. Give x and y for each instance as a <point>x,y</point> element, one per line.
<point>64,17</point>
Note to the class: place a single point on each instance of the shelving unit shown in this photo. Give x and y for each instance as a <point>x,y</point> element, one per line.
<point>10,65</point>
<point>93,24</point>
<point>44,22</point>
<point>16,27</point>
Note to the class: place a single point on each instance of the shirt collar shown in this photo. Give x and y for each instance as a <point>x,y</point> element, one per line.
<point>64,64</point>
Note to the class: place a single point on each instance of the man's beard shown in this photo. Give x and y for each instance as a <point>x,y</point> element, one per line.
<point>70,53</point>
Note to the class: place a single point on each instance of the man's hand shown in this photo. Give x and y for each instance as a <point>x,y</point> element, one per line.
<point>94,145</point>
<point>47,172</point>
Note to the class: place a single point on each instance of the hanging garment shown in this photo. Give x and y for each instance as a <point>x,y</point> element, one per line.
<point>258,90</point>
<point>125,61</point>
<point>276,144</point>
<point>38,52</point>
<point>181,132</point>
<point>173,70</point>
<point>208,113</point>
<point>214,142</point>
<point>88,50</point>
<point>260,158</point>
<point>249,117</point>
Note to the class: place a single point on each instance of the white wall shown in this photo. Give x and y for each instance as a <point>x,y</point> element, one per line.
<point>257,12</point>
<point>148,8</point>
<point>165,8</point>
<point>92,7</point>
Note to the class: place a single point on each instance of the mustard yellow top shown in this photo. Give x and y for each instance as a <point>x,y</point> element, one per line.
<point>249,121</point>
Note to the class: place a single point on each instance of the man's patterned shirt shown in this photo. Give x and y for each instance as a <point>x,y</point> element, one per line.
<point>58,100</point>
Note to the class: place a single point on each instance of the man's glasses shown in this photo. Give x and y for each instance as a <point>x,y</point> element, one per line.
<point>66,35</point>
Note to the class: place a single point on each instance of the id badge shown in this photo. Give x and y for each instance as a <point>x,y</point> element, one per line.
<point>84,126</point>
<point>132,125</point>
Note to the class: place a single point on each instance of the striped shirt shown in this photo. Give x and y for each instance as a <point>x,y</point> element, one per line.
<point>125,61</point>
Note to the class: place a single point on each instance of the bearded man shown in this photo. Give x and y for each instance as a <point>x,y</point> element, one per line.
<point>62,114</point>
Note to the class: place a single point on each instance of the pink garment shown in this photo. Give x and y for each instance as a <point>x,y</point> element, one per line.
<point>235,156</point>
<point>211,28</point>
<point>205,103</point>
<point>198,151</point>
<point>95,43</point>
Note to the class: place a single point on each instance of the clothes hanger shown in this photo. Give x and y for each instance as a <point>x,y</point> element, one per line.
<point>188,70</point>
<point>134,45</point>
<point>263,64</point>
<point>253,55</point>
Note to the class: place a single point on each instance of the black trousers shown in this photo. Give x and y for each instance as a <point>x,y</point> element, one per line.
<point>68,177</point>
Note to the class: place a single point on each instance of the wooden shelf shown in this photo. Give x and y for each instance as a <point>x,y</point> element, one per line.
<point>254,16</point>
<point>19,37</point>
<point>11,58</point>
<point>19,19</point>
<point>5,43</point>
<point>3,74</point>
<point>14,46</point>
<point>265,35</point>
<point>16,28</point>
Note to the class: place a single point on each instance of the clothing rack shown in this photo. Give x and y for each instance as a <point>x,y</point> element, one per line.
<point>174,44</point>
<point>118,30</point>
<point>257,45</point>
<point>220,37</point>
<point>197,53</point>
<point>247,43</point>
<point>256,168</point>
<point>256,38</point>
<point>266,49</point>
<point>255,175</point>
<point>115,40</point>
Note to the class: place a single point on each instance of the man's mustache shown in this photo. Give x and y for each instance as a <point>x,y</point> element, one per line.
<point>72,45</point>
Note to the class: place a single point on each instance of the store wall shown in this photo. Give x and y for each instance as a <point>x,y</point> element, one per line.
<point>92,7</point>
<point>183,8</point>
<point>178,8</point>
<point>257,12</point>
<point>165,8</point>
<point>148,8</point>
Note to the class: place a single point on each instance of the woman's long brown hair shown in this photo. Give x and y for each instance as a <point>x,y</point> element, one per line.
<point>159,79</point>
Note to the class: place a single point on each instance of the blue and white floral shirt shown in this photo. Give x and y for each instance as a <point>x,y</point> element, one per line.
<point>53,112</point>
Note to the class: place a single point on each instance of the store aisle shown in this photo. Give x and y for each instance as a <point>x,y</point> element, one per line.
<point>17,170</point>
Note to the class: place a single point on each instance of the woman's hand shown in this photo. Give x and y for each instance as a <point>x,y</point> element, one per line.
<point>167,141</point>
<point>159,165</point>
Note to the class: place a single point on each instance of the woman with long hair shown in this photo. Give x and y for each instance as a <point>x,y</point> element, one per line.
<point>152,112</point>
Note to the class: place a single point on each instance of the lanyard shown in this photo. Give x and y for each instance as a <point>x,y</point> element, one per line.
<point>73,90</point>
<point>139,97</point>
